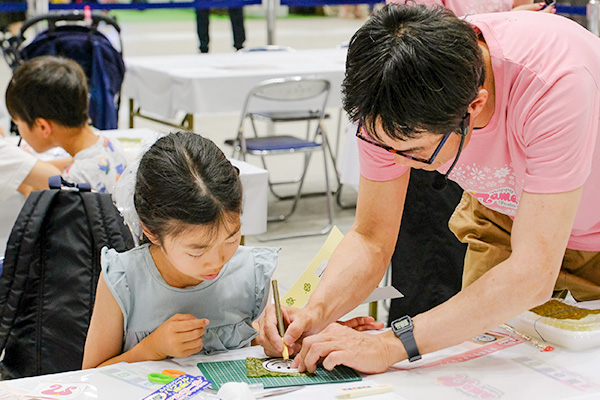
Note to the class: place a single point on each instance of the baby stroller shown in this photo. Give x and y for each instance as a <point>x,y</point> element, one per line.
<point>72,35</point>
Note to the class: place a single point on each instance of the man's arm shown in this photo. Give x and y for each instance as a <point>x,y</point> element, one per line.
<point>526,279</point>
<point>539,237</point>
<point>361,259</point>
<point>355,268</point>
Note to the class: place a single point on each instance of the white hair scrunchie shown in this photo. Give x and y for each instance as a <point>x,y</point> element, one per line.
<point>125,188</point>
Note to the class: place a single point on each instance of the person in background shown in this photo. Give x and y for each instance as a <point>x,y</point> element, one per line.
<point>351,11</point>
<point>11,22</point>
<point>236,15</point>
<point>21,171</point>
<point>427,263</point>
<point>47,98</point>
<point>426,85</point>
<point>469,7</point>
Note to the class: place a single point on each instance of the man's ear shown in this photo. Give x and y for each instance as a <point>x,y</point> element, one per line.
<point>151,236</point>
<point>477,105</point>
<point>44,125</point>
<point>478,109</point>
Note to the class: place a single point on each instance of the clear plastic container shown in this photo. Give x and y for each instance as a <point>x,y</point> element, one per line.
<point>563,326</point>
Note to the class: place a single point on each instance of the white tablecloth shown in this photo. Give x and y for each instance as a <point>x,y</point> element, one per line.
<point>205,83</point>
<point>517,372</point>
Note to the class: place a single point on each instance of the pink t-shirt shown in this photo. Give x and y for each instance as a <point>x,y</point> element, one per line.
<point>466,7</point>
<point>543,135</point>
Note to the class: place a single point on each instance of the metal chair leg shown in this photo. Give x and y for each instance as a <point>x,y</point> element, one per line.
<point>283,217</point>
<point>333,158</point>
<point>329,200</point>
<point>338,199</point>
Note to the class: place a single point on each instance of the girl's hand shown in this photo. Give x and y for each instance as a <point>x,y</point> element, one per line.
<point>179,336</point>
<point>268,333</point>
<point>362,324</point>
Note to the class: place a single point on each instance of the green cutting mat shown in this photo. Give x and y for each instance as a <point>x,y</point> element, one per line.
<point>221,372</point>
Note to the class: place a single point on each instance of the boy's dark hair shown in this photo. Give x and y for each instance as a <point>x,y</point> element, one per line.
<point>413,69</point>
<point>48,87</point>
<point>185,179</point>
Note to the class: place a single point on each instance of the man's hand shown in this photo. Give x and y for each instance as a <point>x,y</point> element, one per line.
<point>179,336</point>
<point>341,345</point>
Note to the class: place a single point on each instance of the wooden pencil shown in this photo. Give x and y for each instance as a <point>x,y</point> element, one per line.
<point>280,325</point>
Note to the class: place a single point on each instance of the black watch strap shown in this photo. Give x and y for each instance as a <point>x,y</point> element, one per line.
<point>403,329</point>
<point>408,340</point>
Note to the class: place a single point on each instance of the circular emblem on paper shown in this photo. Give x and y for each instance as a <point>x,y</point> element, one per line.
<point>279,365</point>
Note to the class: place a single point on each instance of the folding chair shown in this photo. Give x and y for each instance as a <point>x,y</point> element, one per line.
<point>284,100</point>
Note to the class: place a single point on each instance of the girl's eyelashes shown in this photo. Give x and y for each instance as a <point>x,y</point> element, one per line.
<point>195,255</point>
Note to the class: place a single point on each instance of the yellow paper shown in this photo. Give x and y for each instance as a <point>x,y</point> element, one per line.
<point>300,291</point>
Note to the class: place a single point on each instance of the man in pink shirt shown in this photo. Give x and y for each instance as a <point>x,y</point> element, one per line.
<point>515,122</point>
<point>427,264</point>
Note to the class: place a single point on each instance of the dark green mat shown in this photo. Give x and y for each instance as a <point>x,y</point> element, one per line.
<point>221,372</point>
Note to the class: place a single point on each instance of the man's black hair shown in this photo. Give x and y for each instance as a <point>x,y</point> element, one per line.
<point>413,69</point>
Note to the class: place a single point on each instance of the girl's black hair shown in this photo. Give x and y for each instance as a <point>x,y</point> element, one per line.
<point>185,179</point>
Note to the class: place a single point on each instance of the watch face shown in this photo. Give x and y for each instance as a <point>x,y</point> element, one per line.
<point>400,324</point>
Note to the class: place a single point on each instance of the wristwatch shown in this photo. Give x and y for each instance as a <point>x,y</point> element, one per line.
<point>403,329</point>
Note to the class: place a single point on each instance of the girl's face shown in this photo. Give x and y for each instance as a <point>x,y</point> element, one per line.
<point>198,253</point>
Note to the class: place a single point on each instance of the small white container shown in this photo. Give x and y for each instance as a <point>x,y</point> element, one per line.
<point>574,334</point>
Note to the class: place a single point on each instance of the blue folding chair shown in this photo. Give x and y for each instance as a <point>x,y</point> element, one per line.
<point>285,100</point>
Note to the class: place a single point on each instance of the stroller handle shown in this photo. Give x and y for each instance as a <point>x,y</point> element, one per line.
<point>75,15</point>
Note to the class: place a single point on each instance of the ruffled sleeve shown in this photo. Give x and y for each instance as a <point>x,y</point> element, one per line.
<point>265,261</point>
<point>228,337</point>
<point>113,271</point>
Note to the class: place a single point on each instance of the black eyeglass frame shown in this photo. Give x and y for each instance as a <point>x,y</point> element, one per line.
<point>463,131</point>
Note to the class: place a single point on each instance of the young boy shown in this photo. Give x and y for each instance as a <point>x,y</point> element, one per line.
<point>47,99</point>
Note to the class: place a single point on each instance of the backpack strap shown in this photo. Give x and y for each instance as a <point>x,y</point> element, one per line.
<point>110,230</point>
<point>58,182</point>
<point>18,257</point>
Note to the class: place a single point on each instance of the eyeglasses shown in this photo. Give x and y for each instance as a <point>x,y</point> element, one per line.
<point>464,129</point>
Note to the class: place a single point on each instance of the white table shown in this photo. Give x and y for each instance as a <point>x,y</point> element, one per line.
<point>211,83</point>
<point>517,372</point>
<point>254,179</point>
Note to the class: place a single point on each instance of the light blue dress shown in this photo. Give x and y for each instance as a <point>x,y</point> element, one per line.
<point>230,302</point>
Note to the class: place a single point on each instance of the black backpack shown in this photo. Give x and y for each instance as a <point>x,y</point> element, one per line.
<point>51,269</point>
